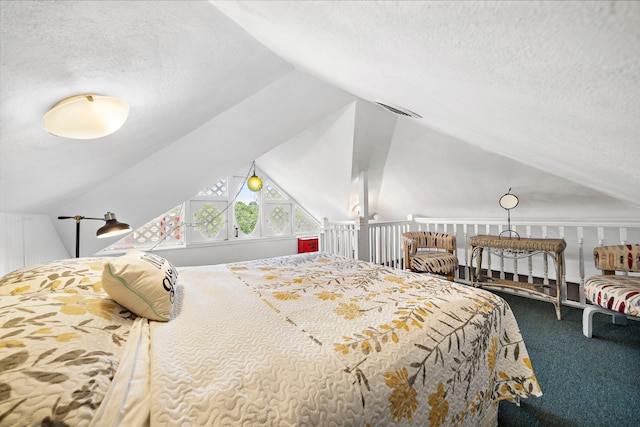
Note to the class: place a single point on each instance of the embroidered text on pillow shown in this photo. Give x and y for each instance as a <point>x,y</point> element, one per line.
<point>171,275</point>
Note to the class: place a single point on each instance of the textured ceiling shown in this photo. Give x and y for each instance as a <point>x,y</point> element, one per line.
<point>555,85</point>
<point>176,63</point>
<point>540,96</point>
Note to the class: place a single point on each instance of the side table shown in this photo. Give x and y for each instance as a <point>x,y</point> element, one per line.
<point>515,248</point>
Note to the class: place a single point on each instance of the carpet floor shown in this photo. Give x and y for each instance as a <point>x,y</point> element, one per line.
<point>585,381</point>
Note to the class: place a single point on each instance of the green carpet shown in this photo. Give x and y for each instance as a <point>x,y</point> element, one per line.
<point>585,381</point>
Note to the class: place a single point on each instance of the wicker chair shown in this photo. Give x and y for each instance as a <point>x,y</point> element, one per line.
<point>615,295</point>
<point>428,252</point>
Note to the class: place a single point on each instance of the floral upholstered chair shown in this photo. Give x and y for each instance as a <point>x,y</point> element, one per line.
<point>615,294</point>
<point>429,252</point>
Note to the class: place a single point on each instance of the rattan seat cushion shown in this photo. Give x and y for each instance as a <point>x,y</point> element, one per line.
<point>434,262</point>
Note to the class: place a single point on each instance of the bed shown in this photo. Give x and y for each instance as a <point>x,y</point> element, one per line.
<point>309,339</point>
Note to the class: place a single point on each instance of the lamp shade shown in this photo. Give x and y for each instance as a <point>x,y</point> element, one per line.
<point>254,183</point>
<point>112,227</point>
<point>86,116</point>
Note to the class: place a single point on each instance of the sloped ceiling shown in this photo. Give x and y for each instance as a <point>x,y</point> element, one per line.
<point>542,97</point>
<point>553,85</point>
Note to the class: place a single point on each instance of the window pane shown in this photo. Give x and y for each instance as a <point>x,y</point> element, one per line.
<point>163,231</point>
<point>218,189</point>
<point>305,224</point>
<point>273,193</point>
<point>209,219</point>
<point>278,219</point>
<point>246,210</point>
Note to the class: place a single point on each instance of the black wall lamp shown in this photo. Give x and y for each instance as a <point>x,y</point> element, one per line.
<point>111,228</point>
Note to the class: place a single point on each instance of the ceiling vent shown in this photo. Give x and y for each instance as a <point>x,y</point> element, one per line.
<point>399,110</point>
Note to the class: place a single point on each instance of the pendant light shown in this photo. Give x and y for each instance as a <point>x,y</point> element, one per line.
<point>254,183</point>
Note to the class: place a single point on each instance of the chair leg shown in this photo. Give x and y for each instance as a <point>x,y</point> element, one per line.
<point>587,320</point>
<point>619,319</point>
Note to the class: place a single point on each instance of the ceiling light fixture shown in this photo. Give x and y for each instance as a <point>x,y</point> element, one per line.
<point>254,183</point>
<point>86,116</point>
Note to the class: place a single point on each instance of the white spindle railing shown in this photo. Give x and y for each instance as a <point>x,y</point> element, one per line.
<point>340,238</point>
<point>385,245</point>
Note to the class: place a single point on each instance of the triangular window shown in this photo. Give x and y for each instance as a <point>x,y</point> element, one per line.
<point>226,210</point>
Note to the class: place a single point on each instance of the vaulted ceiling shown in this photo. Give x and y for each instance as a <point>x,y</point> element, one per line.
<point>540,97</point>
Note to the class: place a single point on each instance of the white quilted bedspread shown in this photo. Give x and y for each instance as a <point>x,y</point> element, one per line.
<point>227,358</point>
<point>321,340</point>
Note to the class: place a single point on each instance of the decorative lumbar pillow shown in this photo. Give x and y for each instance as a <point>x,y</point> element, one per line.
<point>144,283</point>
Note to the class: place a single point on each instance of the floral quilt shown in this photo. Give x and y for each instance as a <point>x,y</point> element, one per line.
<point>319,339</point>
<point>61,338</point>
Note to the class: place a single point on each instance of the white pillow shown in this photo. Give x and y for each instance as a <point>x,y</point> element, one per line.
<point>144,283</point>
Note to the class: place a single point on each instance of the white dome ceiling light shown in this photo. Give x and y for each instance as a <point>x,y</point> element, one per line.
<point>86,116</point>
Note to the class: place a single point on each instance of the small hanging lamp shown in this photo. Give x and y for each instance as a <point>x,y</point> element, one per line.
<point>254,183</point>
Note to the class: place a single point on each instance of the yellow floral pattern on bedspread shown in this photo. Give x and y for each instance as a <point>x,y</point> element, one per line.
<point>61,338</point>
<point>68,275</point>
<point>448,350</point>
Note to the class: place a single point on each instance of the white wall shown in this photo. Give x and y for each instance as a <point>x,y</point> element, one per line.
<point>27,239</point>
<point>237,250</point>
